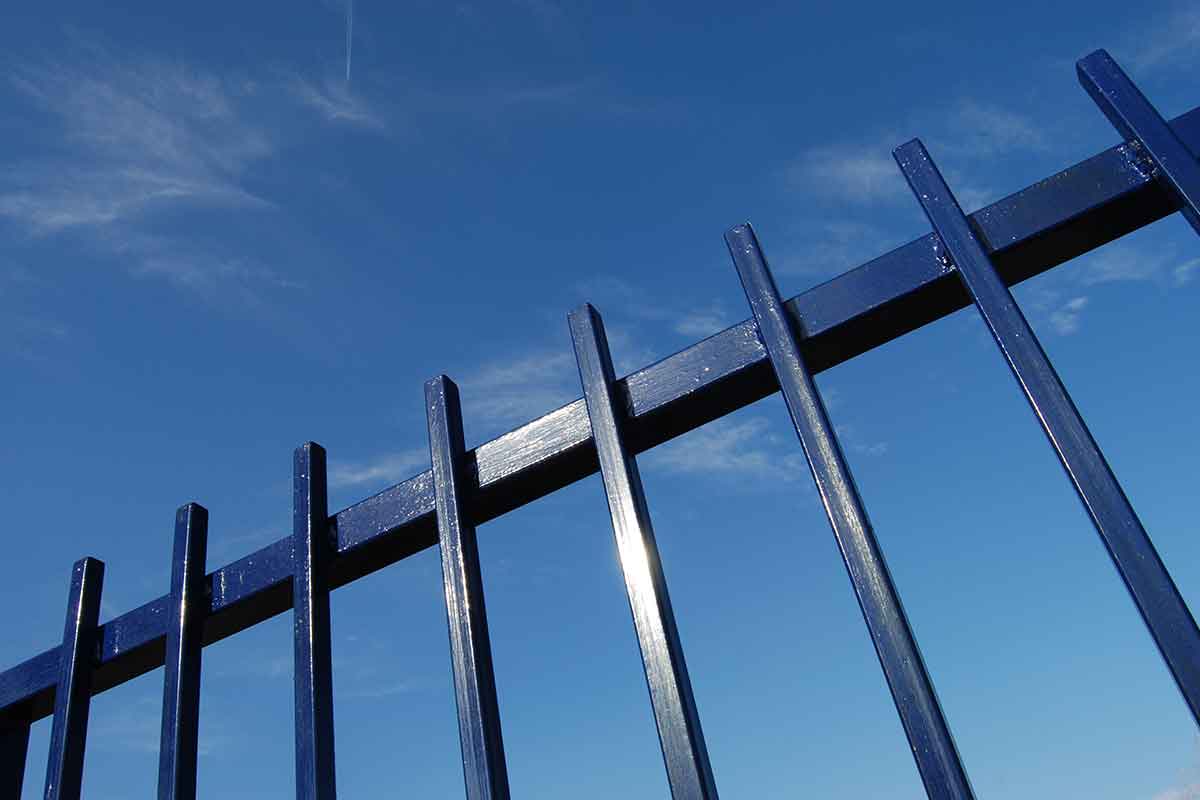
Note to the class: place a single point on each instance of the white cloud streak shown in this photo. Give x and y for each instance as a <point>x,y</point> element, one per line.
<point>387,469</point>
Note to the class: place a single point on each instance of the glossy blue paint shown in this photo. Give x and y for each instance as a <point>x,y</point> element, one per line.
<point>73,699</point>
<point>928,734</point>
<point>680,736</point>
<point>1135,118</point>
<point>315,778</point>
<point>1157,598</point>
<point>484,768</point>
<point>181,680</point>
<point>1033,230</point>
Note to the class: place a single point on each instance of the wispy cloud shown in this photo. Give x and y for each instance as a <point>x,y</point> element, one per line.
<point>137,727</point>
<point>1065,318</point>
<point>635,303</point>
<point>1169,39</point>
<point>334,101</point>
<point>741,450</point>
<point>858,173</point>
<point>864,172</point>
<point>134,135</point>
<point>1189,792</point>
<point>386,469</point>
<point>134,141</point>
<point>830,246</point>
<point>521,388</point>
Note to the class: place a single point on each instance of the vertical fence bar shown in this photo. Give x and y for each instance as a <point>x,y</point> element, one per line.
<point>181,682</point>
<point>1135,118</point>
<point>73,696</point>
<point>912,689</point>
<point>484,769</point>
<point>312,552</point>
<point>1163,609</point>
<point>14,751</point>
<point>684,752</point>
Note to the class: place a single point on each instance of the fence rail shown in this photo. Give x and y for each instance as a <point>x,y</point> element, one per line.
<point>967,259</point>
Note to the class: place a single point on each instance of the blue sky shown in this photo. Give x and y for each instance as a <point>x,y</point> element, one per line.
<point>226,230</point>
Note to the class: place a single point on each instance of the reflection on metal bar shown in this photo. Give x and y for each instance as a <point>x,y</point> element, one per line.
<point>68,735</point>
<point>14,750</point>
<point>688,770</point>
<point>929,736</point>
<point>1167,616</point>
<point>484,769</point>
<point>1135,118</point>
<point>313,550</point>
<point>181,682</point>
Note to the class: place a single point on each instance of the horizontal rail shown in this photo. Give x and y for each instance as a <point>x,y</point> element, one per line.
<point>1094,202</point>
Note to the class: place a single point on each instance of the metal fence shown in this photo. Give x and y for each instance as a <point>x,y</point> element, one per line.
<point>966,259</point>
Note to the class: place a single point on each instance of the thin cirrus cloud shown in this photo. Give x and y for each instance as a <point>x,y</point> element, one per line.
<point>864,173</point>
<point>386,469</point>
<point>128,136</point>
<point>1167,39</point>
<point>131,136</point>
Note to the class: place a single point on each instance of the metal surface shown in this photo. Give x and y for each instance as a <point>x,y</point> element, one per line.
<point>1035,229</point>
<point>1163,609</point>
<point>484,769</point>
<point>181,679</point>
<point>1136,119</point>
<point>1067,214</point>
<point>928,734</point>
<point>73,700</point>
<point>315,779</point>
<point>684,753</point>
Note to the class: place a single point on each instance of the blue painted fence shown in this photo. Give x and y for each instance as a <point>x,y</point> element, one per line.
<point>966,259</point>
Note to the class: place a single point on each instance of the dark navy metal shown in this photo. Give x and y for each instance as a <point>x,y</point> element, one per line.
<point>484,768</point>
<point>1163,609</point>
<point>1056,219</point>
<point>1135,118</point>
<point>14,750</point>
<point>73,700</point>
<point>315,778</point>
<point>688,770</point>
<point>928,734</point>
<point>181,682</point>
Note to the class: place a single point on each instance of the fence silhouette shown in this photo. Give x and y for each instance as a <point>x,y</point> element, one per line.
<point>965,260</point>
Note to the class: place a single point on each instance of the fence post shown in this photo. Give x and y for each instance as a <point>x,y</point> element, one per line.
<point>1146,577</point>
<point>920,712</point>
<point>679,733</point>
<point>484,769</point>
<point>312,552</point>
<point>1135,118</point>
<point>73,697</point>
<point>181,680</point>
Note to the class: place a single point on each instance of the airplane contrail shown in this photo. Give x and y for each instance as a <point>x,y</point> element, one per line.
<point>349,35</point>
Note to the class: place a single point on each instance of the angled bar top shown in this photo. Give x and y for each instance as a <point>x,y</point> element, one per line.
<point>1082,207</point>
